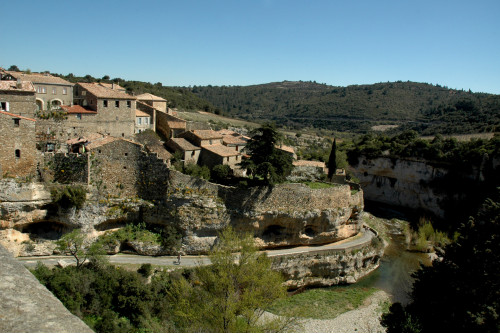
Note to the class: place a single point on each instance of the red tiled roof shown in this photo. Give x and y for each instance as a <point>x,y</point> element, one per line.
<point>103,92</point>
<point>285,148</point>
<point>17,116</point>
<point>221,150</point>
<point>76,109</point>
<point>206,134</point>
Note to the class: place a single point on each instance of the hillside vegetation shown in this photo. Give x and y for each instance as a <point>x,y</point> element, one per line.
<point>423,107</point>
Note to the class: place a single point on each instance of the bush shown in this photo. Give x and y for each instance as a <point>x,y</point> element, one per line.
<point>221,172</point>
<point>69,196</point>
<point>145,270</point>
<point>196,171</point>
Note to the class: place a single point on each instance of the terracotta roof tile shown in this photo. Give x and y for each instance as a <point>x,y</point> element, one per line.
<point>206,134</point>
<point>17,116</point>
<point>140,113</point>
<point>285,148</point>
<point>150,97</point>
<point>76,109</point>
<point>182,144</point>
<point>308,163</point>
<point>110,86</point>
<point>10,85</point>
<point>40,78</point>
<point>232,140</point>
<point>103,92</point>
<point>221,150</point>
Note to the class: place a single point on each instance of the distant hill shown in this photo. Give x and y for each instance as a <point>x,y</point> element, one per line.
<point>428,109</point>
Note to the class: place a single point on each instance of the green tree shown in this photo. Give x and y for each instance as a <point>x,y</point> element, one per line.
<point>461,292</point>
<point>332,161</point>
<point>76,244</point>
<point>14,68</point>
<point>266,160</point>
<point>231,294</point>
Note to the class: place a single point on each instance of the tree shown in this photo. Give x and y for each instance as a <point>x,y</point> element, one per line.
<point>76,244</point>
<point>232,293</point>
<point>266,161</point>
<point>461,292</point>
<point>14,68</point>
<point>332,161</point>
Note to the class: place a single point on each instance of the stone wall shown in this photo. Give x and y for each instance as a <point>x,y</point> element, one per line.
<point>18,146</point>
<point>27,306</point>
<point>20,103</point>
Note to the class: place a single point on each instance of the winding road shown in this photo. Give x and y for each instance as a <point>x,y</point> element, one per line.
<point>190,261</point>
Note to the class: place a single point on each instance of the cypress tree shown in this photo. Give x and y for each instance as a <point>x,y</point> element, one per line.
<point>332,160</point>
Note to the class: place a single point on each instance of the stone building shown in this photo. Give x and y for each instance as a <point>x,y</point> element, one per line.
<point>288,150</point>
<point>212,155</point>
<point>233,139</point>
<point>202,137</point>
<point>305,170</point>
<point>169,126</point>
<point>17,135</point>
<point>115,165</point>
<point>159,103</point>
<point>142,121</point>
<point>17,145</point>
<point>191,153</point>
<point>51,91</point>
<point>114,110</point>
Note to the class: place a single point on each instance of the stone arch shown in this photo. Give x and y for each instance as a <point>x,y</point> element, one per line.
<point>39,104</point>
<point>56,103</point>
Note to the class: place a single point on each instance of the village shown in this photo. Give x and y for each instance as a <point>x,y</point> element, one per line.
<point>43,116</point>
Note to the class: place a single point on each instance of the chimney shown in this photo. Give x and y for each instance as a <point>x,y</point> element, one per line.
<point>112,85</point>
<point>19,84</point>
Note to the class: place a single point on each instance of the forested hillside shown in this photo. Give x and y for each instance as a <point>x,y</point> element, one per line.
<point>425,108</point>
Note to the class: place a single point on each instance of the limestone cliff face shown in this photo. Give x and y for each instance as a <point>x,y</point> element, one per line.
<point>284,215</point>
<point>326,268</point>
<point>400,182</point>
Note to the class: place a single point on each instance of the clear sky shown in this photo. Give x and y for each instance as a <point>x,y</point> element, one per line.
<point>242,42</point>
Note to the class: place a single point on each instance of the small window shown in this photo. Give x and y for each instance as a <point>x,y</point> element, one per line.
<point>139,120</point>
<point>41,90</point>
<point>16,122</point>
<point>126,154</point>
<point>192,154</point>
<point>124,167</point>
<point>146,120</point>
<point>54,90</point>
<point>123,135</point>
<point>4,106</point>
<point>129,104</point>
<point>99,151</point>
<point>18,154</point>
<point>65,91</point>
<point>117,104</point>
<point>78,116</point>
<point>105,103</point>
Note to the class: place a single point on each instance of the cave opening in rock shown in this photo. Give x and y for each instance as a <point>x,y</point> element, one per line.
<point>310,231</point>
<point>48,230</point>
<point>110,224</point>
<point>274,233</point>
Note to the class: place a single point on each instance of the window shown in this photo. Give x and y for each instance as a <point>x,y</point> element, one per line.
<point>54,90</point>
<point>123,134</point>
<point>146,120</point>
<point>18,154</point>
<point>16,122</point>
<point>105,103</point>
<point>65,91</point>
<point>192,154</point>
<point>78,116</point>
<point>4,106</point>
<point>126,154</point>
<point>129,104</point>
<point>117,104</point>
<point>41,90</point>
<point>139,120</point>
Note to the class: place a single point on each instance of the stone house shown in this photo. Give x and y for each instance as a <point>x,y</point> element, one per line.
<point>288,150</point>
<point>51,91</point>
<point>115,165</point>
<point>202,138</point>
<point>191,153</point>
<point>159,103</point>
<point>114,110</point>
<point>305,170</point>
<point>169,125</point>
<point>18,146</point>
<point>142,121</point>
<point>18,97</point>
<point>212,155</point>
<point>233,139</point>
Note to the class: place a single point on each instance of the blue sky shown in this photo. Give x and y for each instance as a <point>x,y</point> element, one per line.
<point>235,42</point>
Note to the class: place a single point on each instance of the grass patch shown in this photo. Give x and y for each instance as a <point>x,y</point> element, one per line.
<point>320,185</point>
<point>325,303</point>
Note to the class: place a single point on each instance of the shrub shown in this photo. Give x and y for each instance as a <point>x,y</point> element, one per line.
<point>145,270</point>
<point>69,196</point>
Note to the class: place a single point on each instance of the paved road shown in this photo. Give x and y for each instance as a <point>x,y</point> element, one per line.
<point>191,261</point>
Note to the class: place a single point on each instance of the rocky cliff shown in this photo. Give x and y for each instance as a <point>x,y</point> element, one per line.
<point>284,215</point>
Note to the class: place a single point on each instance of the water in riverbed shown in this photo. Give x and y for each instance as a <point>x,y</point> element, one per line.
<point>394,274</point>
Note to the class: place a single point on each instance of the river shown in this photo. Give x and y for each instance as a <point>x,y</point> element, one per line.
<point>394,273</point>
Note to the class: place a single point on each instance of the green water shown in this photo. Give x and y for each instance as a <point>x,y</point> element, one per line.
<point>394,273</point>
